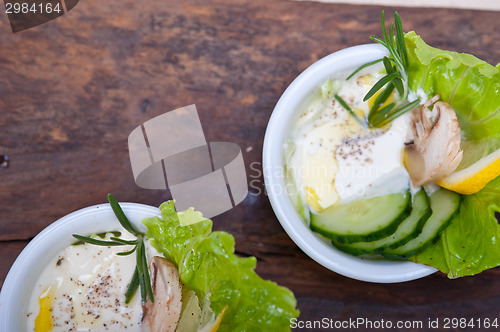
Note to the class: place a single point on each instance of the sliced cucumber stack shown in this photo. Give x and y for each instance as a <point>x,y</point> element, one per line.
<point>444,205</point>
<point>407,230</point>
<point>363,220</point>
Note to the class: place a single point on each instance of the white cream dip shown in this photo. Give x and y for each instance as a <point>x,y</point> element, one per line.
<point>83,289</point>
<point>332,158</point>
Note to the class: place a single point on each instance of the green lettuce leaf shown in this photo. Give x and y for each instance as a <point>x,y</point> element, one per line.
<point>470,85</point>
<point>471,243</point>
<point>207,265</point>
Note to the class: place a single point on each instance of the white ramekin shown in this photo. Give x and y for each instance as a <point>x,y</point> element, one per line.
<point>280,124</point>
<point>24,273</point>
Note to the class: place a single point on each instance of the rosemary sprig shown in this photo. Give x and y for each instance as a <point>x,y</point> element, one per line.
<point>363,67</point>
<point>348,109</point>
<point>396,78</point>
<point>141,273</point>
<point>122,218</point>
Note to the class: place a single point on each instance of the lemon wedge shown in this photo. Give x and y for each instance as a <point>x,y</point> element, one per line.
<point>480,165</point>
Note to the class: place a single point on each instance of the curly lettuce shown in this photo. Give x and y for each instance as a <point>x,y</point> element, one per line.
<point>469,84</point>
<point>207,265</point>
<point>471,244</point>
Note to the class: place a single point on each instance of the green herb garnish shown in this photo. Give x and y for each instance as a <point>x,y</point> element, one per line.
<point>363,67</point>
<point>348,109</point>
<point>141,274</point>
<point>396,78</point>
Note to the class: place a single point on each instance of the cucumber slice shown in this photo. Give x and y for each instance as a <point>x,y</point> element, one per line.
<point>444,205</point>
<point>363,220</point>
<point>407,230</point>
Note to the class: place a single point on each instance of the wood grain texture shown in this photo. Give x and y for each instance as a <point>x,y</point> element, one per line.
<point>10,251</point>
<point>73,89</point>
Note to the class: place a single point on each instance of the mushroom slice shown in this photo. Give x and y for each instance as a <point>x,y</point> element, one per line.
<point>435,151</point>
<point>163,314</point>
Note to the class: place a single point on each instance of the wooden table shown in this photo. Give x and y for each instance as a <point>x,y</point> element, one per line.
<point>73,89</point>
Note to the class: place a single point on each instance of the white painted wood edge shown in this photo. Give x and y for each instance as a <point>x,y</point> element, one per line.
<point>491,5</point>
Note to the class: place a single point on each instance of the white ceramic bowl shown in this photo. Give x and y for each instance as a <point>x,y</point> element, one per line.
<point>280,124</point>
<point>24,273</point>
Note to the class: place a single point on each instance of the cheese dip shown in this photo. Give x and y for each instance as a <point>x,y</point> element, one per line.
<point>83,289</point>
<point>332,158</point>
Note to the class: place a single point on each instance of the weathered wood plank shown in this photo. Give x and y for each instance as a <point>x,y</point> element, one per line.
<point>73,89</point>
<point>10,251</point>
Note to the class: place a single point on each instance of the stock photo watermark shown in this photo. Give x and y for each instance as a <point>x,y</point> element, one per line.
<point>27,14</point>
<point>363,323</point>
<point>289,176</point>
<point>171,151</point>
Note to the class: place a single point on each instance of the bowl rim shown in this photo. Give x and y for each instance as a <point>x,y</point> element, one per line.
<point>276,132</point>
<point>16,280</point>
